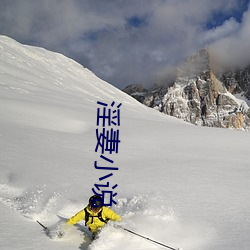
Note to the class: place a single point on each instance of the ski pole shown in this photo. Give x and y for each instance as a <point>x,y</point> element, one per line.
<point>150,239</point>
<point>45,228</point>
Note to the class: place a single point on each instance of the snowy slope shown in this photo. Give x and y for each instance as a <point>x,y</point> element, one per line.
<point>179,184</point>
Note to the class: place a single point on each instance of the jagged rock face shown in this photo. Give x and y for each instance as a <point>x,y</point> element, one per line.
<point>199,97</point>
<point>237,81</point>
<point>205,102</point>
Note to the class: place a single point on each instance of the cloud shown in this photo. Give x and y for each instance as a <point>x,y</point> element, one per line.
<point>121,41</point>
<point>233,49</point>
<point>228,28</point>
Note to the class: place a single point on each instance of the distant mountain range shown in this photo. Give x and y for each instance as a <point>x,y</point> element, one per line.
<point>201,94</point>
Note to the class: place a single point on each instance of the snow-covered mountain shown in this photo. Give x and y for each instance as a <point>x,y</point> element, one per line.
<point>201,96</point>
<point>183,185</point>
<point>237,81</point>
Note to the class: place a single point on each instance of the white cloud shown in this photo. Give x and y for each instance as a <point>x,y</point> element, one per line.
<point>233,50</point>
<point>97,32</point>
<point>228,28</point>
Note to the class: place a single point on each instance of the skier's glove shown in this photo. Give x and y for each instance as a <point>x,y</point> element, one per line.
<point>60,233</point>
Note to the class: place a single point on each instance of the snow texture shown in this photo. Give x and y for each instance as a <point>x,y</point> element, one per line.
<point>179,184</point>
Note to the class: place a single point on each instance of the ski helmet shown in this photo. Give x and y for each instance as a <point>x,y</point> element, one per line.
<point>95,201</point>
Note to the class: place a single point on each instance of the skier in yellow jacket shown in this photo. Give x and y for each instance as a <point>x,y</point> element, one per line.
<point>95,215</point>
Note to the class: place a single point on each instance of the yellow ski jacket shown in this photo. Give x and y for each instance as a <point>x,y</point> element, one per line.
<point>94,223</point>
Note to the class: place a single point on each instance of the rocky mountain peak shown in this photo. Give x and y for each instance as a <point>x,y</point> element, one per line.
<point>200,96</point>
<point>196,64</point>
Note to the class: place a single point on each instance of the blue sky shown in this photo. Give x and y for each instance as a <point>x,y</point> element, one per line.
<point>131,41</point>
<point>218,17</point>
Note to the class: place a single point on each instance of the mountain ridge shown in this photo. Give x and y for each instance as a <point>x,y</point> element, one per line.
<point>200,95</point>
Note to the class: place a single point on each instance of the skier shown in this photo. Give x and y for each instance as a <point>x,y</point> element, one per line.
<point>95,215</point>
